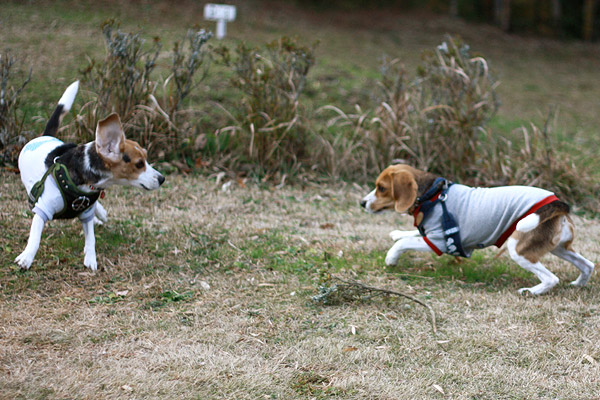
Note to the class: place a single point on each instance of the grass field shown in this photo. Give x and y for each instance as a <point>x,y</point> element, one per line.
<point>206,293</point>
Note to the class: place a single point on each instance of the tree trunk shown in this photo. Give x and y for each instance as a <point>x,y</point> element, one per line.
<point>556,17</point>
<point>454,8</point>
<point>502,14</point>
<point>588,19</point>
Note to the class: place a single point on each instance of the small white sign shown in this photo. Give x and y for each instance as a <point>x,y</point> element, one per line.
<point>215,12</point>
<point>222,13</point>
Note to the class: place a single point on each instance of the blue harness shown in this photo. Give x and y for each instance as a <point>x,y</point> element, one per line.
<point>437,193</point>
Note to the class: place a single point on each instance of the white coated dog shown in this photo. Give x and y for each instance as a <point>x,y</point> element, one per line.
<point>65,180</point>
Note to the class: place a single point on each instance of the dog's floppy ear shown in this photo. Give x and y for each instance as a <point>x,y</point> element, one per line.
<point>404,190</point>
<point>110,138</point>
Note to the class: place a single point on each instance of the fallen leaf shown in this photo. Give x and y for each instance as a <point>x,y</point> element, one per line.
<point>127,388</point>
<point>590,359</point>
<point>349,349</point>
<point>439,389</point>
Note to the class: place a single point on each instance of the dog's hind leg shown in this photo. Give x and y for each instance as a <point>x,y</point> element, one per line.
<point>564,251</point>
<point>547,278</point>
<point>584,265</point>
<point>25,259</point>
<point>532,239</point>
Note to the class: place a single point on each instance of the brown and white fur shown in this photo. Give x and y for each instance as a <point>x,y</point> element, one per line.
<point>110,159</point>
<point>548,230</point>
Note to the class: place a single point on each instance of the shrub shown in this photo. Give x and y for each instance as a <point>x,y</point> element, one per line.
<point>12,131</point>
<point>123,80</point>
<point>151,110</point>
<point>271,80</point>
<point>538,163</point>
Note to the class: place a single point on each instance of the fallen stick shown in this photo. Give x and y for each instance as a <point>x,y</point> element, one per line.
<point>376,290</point>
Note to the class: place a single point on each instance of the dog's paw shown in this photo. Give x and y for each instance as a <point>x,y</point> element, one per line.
<point>97,221</point>
<point>90,262</point>
<point>525,292</point>
<point>581,280</point>
<point>100,214</point>
<point>392,257</point>
<point>537,289</point>
<point>396,235</point>
<point>24,260</point>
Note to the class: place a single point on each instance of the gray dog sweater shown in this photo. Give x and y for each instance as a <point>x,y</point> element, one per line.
<point>485,216</point>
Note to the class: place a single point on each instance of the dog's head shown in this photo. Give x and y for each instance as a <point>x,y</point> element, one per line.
<point>125,159</point>
<point>396,188</point>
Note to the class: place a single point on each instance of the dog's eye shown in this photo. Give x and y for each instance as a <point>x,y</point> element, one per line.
<point>381,189</point>
<point>140,164</point>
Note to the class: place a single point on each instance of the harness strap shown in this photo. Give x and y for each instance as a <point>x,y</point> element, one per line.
<point>75,200</point>
<point>437,193</point>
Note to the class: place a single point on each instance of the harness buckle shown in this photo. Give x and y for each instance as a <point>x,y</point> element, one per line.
<point>443,196</point>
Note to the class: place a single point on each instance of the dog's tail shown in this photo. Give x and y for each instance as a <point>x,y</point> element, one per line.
<point>64,105</point>
<point>549,211</point>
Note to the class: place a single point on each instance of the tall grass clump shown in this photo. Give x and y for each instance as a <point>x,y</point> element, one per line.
<point>151,108</point>
<point>12,132</point>
<point>434,121</point>
<point>538,162</point>
<point>454,98</point>
<point>122,80</point>
<point>166,124</point>
<point>271,79</point>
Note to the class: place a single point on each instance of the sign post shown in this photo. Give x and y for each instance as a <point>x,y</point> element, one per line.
<point>222,13</point>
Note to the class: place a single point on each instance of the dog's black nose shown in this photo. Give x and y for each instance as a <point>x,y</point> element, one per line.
<point>363,203</point>
<point>161,179</point>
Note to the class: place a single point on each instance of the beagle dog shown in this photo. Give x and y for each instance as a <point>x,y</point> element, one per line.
<point>65,180</point>
<point>456,219</point>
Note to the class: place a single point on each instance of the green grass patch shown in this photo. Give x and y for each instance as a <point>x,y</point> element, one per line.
<point>480,269</point>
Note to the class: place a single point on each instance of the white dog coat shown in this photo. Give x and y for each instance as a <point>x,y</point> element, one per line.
<point>32,167</point>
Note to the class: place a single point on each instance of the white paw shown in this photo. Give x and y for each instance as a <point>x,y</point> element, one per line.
<point>24,260</point>
<point>97,221</point>
<point>536,290</point>
<point>90,261</point>
<point>581,280</point>
<point>397,235</point>
<point>100,213</point>
<point>392,257</point>
<point>524,291</point>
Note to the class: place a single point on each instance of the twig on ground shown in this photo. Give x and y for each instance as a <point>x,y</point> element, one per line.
<point>353,289</point>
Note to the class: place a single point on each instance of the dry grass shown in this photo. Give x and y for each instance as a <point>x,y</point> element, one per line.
<point>147,326</point>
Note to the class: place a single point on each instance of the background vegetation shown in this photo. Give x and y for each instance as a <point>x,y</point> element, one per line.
<point>253,110</point>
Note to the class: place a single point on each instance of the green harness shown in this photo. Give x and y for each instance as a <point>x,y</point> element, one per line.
<point>76,200</point>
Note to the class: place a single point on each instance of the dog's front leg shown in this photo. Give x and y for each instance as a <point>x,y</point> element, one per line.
<point>25,259</point>
<point>397,235</point>
<point>89,250</point>
<point>100,214</point>
<point>403,245</point>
